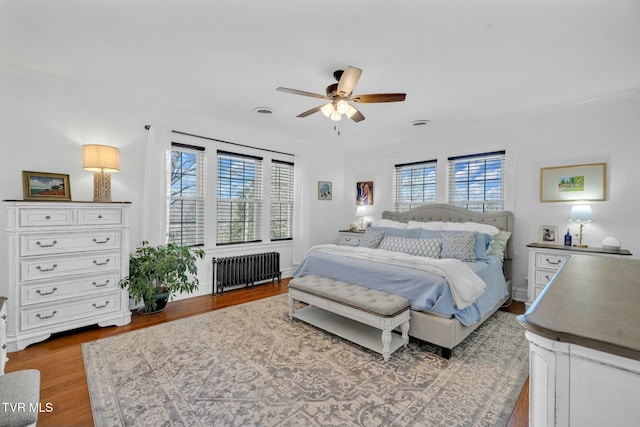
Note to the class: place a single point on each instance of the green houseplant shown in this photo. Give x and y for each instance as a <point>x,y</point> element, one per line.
<point>156,273</point>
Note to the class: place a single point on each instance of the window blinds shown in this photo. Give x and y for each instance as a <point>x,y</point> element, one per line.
<point>281,218</point>
<point>414,184</point>
<point>477,181</point>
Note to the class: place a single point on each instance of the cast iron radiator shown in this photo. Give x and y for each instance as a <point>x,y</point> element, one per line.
<point>245,270</point>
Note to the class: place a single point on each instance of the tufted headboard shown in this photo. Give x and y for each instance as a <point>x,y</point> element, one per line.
<point>443,212</point>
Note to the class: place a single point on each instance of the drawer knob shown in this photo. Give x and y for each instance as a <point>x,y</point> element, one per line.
<point>106,303</point>
<point>47,217</point>
<point>4,346</point>
<point>100,285</point>
<point>556,262</point>
<point>41,317</point>
<point>99,216</point>
<point>44,270</point>
<point>47,245</point>
<point>4,317</point>
<point>100,242</point>
<point>101,263</point>
<point>41,293</point>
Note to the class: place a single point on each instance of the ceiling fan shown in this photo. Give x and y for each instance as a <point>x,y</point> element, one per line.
<point>340,95</point>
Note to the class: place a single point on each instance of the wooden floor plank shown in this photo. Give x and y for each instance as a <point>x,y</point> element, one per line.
<point>63,380</point>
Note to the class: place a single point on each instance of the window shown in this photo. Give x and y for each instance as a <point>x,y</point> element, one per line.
<point>414,184</point>
<point>186,198</point>
<point>477,181</point>
<point>281,219</point>
<point>239,198</point>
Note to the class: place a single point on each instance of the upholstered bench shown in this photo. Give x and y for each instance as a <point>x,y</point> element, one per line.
<point>355,313</point>
<point>20,396</point>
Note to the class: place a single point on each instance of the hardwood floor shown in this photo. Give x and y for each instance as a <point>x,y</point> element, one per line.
<point>59,359</point>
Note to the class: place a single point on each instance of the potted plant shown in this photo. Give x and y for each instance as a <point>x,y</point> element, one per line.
<point>156,273</point>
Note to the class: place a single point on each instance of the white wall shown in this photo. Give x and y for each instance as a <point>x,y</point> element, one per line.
<point>602,130</point>
<point>45,121</point>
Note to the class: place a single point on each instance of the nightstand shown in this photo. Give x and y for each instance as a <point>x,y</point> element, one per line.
<point>545,260</point>
<point>350,238</point>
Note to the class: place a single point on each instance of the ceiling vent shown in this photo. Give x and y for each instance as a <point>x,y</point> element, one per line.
<point>420,123</point>
<point>263,111</point>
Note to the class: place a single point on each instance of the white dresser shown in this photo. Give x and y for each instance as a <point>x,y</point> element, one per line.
<point>350,238</point>
<point>545,260</point>
<point>65,262</point>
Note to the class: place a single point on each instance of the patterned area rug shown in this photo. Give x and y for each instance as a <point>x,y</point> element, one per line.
<point>248,365</point>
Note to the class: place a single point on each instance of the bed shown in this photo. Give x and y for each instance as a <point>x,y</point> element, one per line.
<point>440,321</point>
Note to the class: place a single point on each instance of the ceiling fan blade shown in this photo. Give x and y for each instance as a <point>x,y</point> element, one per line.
<point>348,81</point>
<point>379,97</point>
<point>309,112</point>
<point>302,92</point>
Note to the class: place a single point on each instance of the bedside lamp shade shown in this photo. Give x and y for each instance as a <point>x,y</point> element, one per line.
<point>103,160</point>
<point>361,211</point>
<point>581,214</point>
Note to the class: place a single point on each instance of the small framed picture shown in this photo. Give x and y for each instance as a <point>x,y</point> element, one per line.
<point>364,193</point>
<point>548,234</point>
<point>325,190</point>
<point>45,186</point>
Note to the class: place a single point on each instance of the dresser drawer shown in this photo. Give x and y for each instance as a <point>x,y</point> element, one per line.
<point>544,276</point>
<point>100,216</point>
<point>43,315</point>
<point>54,290</point>
<point>56,243</point>
<point>550,261</point>
<point>350,239</point>
<point>43,217</point>
<point>59,266</point>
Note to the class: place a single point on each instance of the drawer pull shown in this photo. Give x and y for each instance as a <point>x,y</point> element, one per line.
<point>39,292</point>
<point>556,262</point>
<point>101,285</point>
<point>44,270</point>
<point>106,303</point>
<point>47,217</point>
<point>4,346</point>
<point>43,245</point>
<point>348,239</point>
<point>41,317</point>
<point>4,317</point>
<point>100,242</point>
<point>99,216</point>
<point>101,263</point>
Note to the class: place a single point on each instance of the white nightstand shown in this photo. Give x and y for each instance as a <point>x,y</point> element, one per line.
<point>350,238</point>
<point>545,260</point>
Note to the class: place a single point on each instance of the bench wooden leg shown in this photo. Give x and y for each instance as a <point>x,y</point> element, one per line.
<point>405,333</point>
<point>291,305</point>
<point>386,341</point>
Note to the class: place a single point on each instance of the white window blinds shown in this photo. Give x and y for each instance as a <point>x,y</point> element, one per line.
<point>477,181</point>
<point>414,184</point>
<point>239,198</point>
<point>281,218</point>
<point>187,195</point>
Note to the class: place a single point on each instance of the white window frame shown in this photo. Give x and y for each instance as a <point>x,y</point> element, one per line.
<point>414,184</point>
<point>281,207</point>
<point>475,183</point>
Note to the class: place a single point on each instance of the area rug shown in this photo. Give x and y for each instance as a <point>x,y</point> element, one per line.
<point>249,365</point>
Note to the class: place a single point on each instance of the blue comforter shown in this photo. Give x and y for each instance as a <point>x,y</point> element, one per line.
<point>424,290</point>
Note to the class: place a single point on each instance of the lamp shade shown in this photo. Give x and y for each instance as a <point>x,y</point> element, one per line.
<point>100,158</point>
<point>361,210</point>
<point>581,213</point>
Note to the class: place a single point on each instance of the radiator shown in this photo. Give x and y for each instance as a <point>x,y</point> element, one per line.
<point>245,270</point>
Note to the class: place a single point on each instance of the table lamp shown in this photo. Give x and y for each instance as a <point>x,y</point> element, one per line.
<point>103,160</point>
<point>361,211</point>
<point>581,214</point>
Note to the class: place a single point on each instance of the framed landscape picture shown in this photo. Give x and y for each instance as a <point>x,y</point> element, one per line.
<point>569,183</point>
<point>45,186</point>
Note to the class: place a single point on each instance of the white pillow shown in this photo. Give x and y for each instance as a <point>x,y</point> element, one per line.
<point>390,223</point>
<point>471,226</point>
<point>431,225</point>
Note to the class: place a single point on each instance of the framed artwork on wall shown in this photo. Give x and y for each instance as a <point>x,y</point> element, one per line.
<point>45,186</point>
<point>325,190</point>
<point>548,234</point>
<point>569,183</point>
<point>364,192</point>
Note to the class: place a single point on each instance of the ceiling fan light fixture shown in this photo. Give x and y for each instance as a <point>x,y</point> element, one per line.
<point>328,109</point>
<point>351,110</point>
<point>342,106</point>
<point>335,116</point>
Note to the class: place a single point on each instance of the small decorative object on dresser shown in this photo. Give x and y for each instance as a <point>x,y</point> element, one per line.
<point>45,186</point>
<point>545,260</point>
<point>65,261</point>
<point>548,234</point>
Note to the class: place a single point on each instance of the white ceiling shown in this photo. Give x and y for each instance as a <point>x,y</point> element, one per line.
<point>459,61</point>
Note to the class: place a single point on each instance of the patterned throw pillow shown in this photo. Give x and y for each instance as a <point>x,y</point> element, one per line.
<point>459,246</point>
<point>420,247</point>
<point>371,239</point>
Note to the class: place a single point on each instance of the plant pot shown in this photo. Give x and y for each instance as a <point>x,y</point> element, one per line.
<point>160,301</point>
